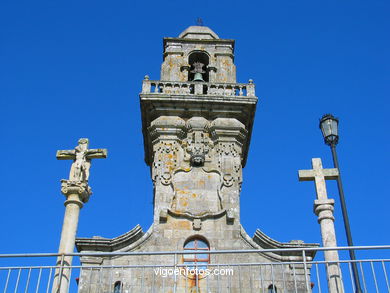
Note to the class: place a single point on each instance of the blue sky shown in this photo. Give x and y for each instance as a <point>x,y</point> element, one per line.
<point>72,69</point>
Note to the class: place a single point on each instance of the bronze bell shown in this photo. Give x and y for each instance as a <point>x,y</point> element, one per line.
<point>198,70</point>
<point>198,77</point>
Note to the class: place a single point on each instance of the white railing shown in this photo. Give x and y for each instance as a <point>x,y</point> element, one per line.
<point>35,273</point>
<point>198,88</point>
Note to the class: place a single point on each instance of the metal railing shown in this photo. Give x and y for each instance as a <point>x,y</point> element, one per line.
<point>35,272</point>
<point>198,88</point>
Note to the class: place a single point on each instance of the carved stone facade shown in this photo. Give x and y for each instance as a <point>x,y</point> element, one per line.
<point>196,132</point>
<point>196,169</point>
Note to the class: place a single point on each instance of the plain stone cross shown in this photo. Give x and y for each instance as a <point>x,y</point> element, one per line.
<point>319,175</point>
<point>81,156</point>
<point>323,208</point>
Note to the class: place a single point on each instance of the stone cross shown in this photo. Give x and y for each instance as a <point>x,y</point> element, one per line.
<point>319,175</point>
<point>81,156</point>
<point>77,192</point>
<point>323,208</point>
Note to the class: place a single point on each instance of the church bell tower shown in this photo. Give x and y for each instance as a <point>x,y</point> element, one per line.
<point>197,122</point>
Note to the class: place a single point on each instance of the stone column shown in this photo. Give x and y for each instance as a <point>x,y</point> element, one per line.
<point>76,193</point>
<point>323,208</point>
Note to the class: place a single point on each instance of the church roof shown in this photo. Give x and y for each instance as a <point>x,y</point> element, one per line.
<point>266,242</point>
<point>98,243</point>
<point>198,32</point>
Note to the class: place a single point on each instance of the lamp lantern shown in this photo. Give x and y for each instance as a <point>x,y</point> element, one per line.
<point>329,127</point>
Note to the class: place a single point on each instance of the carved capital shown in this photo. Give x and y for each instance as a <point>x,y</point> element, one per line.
<point>197,124</point>
<point>229,130</point>
<point>80,189</point>
<point>324,209</point>
<point>167,128</point>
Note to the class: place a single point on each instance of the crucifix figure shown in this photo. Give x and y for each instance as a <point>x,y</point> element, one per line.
<point>81,156</point>
<point>323,208</point>
<point>77,192</point>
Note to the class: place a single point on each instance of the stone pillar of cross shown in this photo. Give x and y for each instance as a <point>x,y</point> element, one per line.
<point>77,192</point>
<point>323,208</point>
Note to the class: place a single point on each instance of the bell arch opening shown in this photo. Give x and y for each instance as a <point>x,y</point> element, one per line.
<point>198,61</point>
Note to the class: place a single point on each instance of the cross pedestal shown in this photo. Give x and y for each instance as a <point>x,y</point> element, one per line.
<point>323,208</point>
<point>77,192</point>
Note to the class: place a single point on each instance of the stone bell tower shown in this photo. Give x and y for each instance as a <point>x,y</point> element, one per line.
<point>197,123</point>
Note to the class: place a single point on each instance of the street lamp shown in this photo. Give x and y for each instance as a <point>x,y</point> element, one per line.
<point>329,127</point>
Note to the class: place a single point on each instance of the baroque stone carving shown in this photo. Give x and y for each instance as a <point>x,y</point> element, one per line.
<point>197,166</point>
<point>166,133</point>
<point>197,143</point>
<point>166,158</point>
<point>229,162</point>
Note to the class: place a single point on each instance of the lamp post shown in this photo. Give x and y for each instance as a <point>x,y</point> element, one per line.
<point>329,128</point>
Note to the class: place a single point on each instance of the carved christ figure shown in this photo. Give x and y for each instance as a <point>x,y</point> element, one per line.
<point>80,167</point>
<point>81,155</point>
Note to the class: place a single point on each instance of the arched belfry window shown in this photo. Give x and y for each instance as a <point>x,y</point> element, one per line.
<point>272,289</point>
<point>196,260</point>
<point>117,287</point>
<point>198,62</point>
